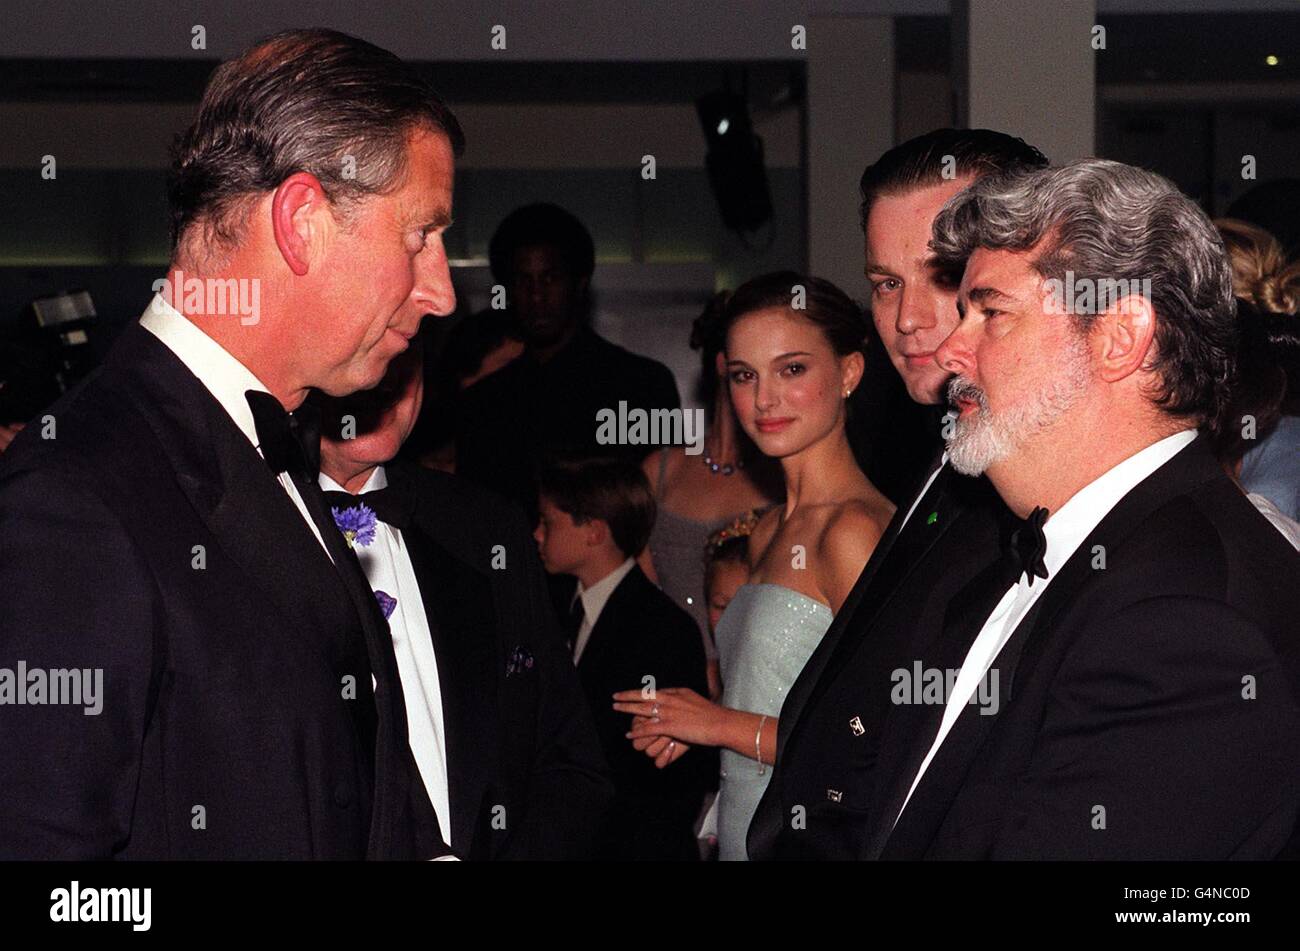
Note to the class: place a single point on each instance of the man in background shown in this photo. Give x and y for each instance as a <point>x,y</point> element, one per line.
<point>498,724</point>
<point>1126,677</point>
<point>945,529</point>
<point>544,403</point>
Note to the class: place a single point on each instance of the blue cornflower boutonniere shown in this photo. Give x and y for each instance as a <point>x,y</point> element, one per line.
<point>520,660</point>
<point>386,603</point>
<point>357,523</point>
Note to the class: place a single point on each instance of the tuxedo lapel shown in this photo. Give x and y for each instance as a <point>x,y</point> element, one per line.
<point>458,604</point>
<point>599,639</point>
<point>605,639</point>
<point>952,761</point>
<point>924,814</point>
<point>911,727</point>
<point>240,500</point>
<point>809,680</point>
<point>1192,466</point>
<point>403,816</point>
<point>233,492</point>
<point>910,546</point>
<point>883,576</point>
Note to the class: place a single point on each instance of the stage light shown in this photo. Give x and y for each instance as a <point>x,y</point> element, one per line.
<point>734,161</point>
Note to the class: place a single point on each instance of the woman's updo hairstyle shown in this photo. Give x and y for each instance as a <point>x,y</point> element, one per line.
<point>709,336</point>
<point>1266,379</point>
<point>838,316</point>
<point>1261,274</point>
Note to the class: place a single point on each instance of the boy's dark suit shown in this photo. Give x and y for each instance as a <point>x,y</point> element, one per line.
<point>526,776</point>
<point>640,633</point>
<point>149,540</point>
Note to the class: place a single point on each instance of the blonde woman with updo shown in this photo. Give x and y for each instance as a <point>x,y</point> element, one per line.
<point>1260,436</point>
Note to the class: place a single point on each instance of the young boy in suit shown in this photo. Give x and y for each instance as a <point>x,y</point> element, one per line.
<point>594,518</point>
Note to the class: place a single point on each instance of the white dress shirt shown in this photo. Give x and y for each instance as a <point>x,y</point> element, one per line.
<point>387,565</point>
<point>593,602</point>
<point>1065,530</point>
<point>224,377</point>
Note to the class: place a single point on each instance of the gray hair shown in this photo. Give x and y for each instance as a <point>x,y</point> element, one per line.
<point>303,100</point>
<point>1108,222</point>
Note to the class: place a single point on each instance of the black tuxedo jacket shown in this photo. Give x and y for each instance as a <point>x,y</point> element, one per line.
<point>817,803</point>
<point>1149,709</point>
<point>526,776</point>
<point>149,540</point>
<point>639,633</point>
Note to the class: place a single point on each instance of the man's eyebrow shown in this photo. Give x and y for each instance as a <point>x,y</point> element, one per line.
<point>984,295</point>
<point>439,218</point>
<point>929,262</point>
<point>936,263</point>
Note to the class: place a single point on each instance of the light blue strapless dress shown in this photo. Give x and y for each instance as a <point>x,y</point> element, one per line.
<point>764,638</point>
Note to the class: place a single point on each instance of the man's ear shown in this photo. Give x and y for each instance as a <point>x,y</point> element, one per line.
<point>1124,335</point>
<point>298,209</point>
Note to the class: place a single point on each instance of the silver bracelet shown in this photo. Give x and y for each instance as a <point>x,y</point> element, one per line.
<point>758,745</point>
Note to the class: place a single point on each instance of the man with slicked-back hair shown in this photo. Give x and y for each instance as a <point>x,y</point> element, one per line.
<point>945,528</point>
<point>168,534</point>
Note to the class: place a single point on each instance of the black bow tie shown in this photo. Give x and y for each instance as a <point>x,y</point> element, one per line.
<point>290,442</point>
<point>1029,545</point>
<point>390,504</point>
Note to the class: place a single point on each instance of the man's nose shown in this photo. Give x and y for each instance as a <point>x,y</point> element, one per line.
<point>957,353</point>
<point>915,311</point>
<point>433,288</point>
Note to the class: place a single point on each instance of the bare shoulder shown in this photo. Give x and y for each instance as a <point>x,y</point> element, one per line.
<point>852,531</point>
<point>855,525</point>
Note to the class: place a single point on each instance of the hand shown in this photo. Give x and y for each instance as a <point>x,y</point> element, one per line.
<point>678,713</point>
<point>662,749</point>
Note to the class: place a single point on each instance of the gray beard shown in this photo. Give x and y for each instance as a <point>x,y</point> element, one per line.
<point>982,438</point>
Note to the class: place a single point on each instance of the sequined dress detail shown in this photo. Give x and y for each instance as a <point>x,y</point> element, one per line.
<point>764,638</point>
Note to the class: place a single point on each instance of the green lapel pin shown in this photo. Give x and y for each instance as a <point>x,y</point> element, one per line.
<point>934,517</point>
